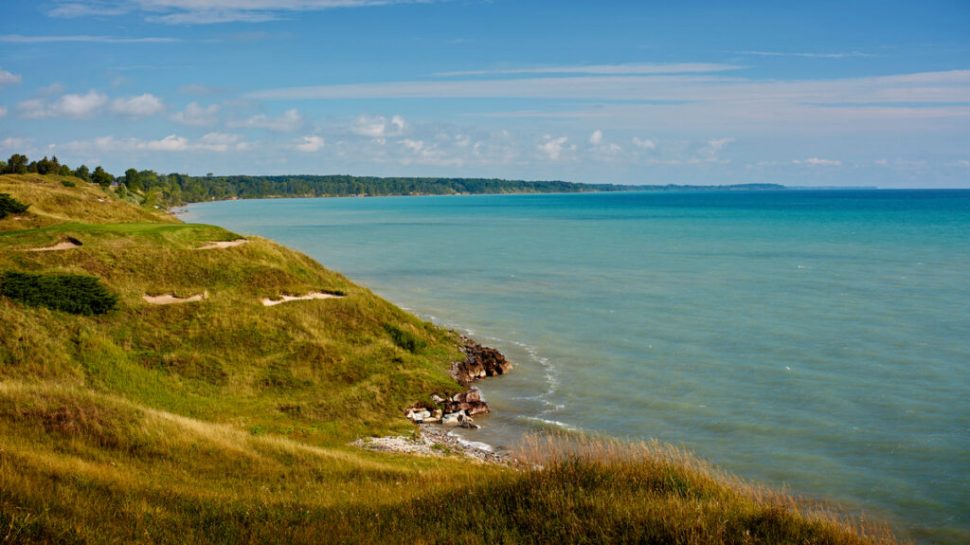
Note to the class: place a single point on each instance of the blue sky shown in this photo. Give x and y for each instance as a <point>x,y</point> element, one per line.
<point>812,93</point>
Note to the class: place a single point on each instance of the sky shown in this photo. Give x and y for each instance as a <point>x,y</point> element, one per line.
<point>820,93</point>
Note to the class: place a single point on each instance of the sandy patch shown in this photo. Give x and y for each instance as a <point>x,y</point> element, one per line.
<point>169,299</point>
<point>223,244</point>
<point>60,246</point>
<point>267,302</point>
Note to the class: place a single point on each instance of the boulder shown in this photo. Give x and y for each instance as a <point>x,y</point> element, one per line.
<point>469,396</point>
<point>452,419</point>
<point>418,414</point>
<point>480,362</point>
<point>467,422</point>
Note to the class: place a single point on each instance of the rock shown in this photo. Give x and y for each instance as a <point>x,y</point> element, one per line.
<point>480,362</point>
<point>469,396</point>
<point>418,414</point>
<point>478,407</point>
<point>452,419</point>
<point>467,422</point>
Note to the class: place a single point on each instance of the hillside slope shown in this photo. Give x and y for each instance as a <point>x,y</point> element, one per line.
<point>224,420</point>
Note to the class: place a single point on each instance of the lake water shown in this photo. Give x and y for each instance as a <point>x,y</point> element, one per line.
<point>814,339</point>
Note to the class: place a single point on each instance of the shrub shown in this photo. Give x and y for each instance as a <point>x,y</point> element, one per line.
<point>404,339</point>
<point>9,205</point>
<point>67,292</point>
<point>68,183</point>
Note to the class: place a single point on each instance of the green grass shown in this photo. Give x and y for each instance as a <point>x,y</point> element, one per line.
<point>224,421</point>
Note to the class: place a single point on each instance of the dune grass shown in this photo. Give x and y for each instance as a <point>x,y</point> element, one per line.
<point>225,421</point>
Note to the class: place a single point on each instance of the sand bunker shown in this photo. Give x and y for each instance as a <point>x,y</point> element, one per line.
<point>223,244</point>
<point>68,244</point>
<point>310,296</point>
<point>169,299</point>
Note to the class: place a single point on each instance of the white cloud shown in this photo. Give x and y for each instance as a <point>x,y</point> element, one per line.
<point>601,69</point>
<point>710,152</point>
<point>421,153</point>
<point>14,143</point>
<point>138,106</point>
<point>553,148</point>
<point>378,127</point>
<point>198,116</point>
<point>70,105</point>
<point>818,162</point>
<point>697,91</point>
<point>206,11</point>
<point>290,120</point>
<point>55,88</point>
<point>211,142</point>
<point>221,142</point>
<point>3,111</point>
<point>169,143</point>
<point>97,9</point>
<point>602,150</point>
<point>9,78</point>
<point>719,143</point>
<point>311,144</point>
<point>198,89</point>
<point>22,39</point>
<point>835,55</point>
<point>644,143</point>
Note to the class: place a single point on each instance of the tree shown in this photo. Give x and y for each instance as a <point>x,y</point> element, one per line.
<point>17,164</point>
<point>133,180</point>
<point>83,173</point>
<point>64,170</point>
<point>44,166</point>
<point>102,178</point>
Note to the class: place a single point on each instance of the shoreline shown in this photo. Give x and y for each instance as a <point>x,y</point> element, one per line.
<point>435,440</point>
<point>429,431</point>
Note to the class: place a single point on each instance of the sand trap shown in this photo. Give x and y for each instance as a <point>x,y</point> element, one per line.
<point>308,297</point>
<point>223,244</point>
<point>69,244</point>
<point>169,299</point>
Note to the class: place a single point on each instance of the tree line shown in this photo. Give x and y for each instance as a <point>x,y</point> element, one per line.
<point>21,164</point>
<point>150,187</point>
<point>175,189</point>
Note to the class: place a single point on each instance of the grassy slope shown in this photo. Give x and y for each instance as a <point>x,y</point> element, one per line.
<point>225,421</point>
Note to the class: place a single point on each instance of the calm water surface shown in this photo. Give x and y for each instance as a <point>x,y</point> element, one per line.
<point>814,339</point>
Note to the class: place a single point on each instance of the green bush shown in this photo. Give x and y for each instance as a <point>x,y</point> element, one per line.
<point>9,205</point>
<point>68,183</point>
<point>404,339</point>
<point>67,292</point>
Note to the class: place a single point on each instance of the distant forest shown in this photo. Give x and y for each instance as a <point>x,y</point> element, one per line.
<point>181,188</point>
<point>176,189</point>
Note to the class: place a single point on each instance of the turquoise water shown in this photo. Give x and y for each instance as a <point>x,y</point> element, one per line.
<point>814,339</point>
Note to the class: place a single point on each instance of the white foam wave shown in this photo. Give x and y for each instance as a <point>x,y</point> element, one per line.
<point>550,422</point>
<point>477,445</point>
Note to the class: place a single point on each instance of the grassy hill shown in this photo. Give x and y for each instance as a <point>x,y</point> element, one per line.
<point>227,421</point>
